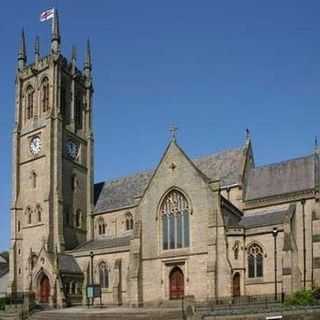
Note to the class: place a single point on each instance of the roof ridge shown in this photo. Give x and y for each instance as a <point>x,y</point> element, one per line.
<point>216,153</point>
<point>274,164</point>
<point>150,171</point>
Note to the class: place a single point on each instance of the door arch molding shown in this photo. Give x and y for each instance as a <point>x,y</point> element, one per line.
<point>176,283</point>
<point>236,291</point>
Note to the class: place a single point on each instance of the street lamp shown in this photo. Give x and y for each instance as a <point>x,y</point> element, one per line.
<point>275,234</point>
<point>91,269</point>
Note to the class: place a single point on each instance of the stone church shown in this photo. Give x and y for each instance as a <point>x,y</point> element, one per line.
<point>206,228</point>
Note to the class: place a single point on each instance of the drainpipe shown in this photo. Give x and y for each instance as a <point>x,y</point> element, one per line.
<point>304,242</point>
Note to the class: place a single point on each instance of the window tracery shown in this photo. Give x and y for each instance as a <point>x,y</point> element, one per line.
<point>175,211</point>
<point>255,261</point>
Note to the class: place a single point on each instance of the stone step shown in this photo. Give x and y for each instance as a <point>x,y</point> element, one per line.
<point>9,316</point>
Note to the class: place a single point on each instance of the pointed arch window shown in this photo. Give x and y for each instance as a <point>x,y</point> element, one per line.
<point>29,102</point>
<point>78,113</point>
<point>39,213</point>
<point>78,218</point>
<point>45,94</point>
<point>255,261</point>
<point>73,182</point>
<point>129,221</point>
<point>34,179</point>
<point>33,260</point>
<point>101,226</point>
<point>103,275</point>
<point>175,212</point>
<point>28,215</point>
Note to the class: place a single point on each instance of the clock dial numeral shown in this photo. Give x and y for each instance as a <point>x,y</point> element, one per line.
<point>35,145</point>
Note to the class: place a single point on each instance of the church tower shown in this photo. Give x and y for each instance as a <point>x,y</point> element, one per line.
<point>52,158</point>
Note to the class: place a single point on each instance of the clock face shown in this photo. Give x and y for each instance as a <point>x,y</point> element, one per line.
<point>35,145</point>
<point>72,149</point>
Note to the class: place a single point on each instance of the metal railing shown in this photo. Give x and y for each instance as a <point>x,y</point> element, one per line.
<point>241,302</point>
<point>247,304</point>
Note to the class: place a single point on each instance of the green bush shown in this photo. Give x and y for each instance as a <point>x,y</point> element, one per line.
<point>301,298</point>
<point>2,303</point>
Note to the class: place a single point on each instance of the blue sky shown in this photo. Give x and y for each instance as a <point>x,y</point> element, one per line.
<point>211,68</point>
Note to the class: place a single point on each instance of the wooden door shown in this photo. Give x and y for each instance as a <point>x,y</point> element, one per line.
<point>176,284</point>
<point>236,285</point>
<point>44,290</point>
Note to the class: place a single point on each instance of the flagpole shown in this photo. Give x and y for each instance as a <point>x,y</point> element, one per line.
<point>52,23</point>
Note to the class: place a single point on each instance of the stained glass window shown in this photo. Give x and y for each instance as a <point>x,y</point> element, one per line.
<point>174,211</point>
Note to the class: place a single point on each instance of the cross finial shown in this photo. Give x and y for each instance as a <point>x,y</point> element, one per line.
<point>315,143</point>
<point>173,132</point>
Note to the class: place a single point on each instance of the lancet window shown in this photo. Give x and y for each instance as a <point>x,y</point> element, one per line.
<point>129,221</point>
<point>103,275</point>
<point>255,261</point>
<point>29,215</point>
<point>101,226</point>
<point>45,94</point>
<point>29,102</point>
<point>78,218</point>
<point>39,213</point>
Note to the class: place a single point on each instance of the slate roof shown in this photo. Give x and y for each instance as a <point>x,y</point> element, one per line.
<point>104,243</point>
<point>262,220</point>
<point>4,268</point>
<point>280,178</point>
<point>68,264</point>
<point>116,194</point>
<point>4,265</point>
<point>121,193</point>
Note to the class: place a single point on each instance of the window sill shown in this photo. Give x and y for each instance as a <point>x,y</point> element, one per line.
<point>254,280</point>
<point>171,252</point>
<point>33,225</point>
<point>106,290</point>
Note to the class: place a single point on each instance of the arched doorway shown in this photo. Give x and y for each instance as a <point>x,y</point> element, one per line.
<point>176,280</point>
<point>236,285</point>
<point>44,289</point>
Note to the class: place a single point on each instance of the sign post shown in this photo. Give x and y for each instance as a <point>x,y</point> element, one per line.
<point>93,291</point>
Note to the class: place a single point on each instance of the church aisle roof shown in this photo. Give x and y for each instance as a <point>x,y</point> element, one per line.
<point>116,194</point>
<point>262,220</point>
<point>68,264</point>
<point>281,178</point>
<point>104,243</point>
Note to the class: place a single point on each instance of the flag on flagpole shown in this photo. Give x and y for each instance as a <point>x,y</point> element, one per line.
<point>47,15</point>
